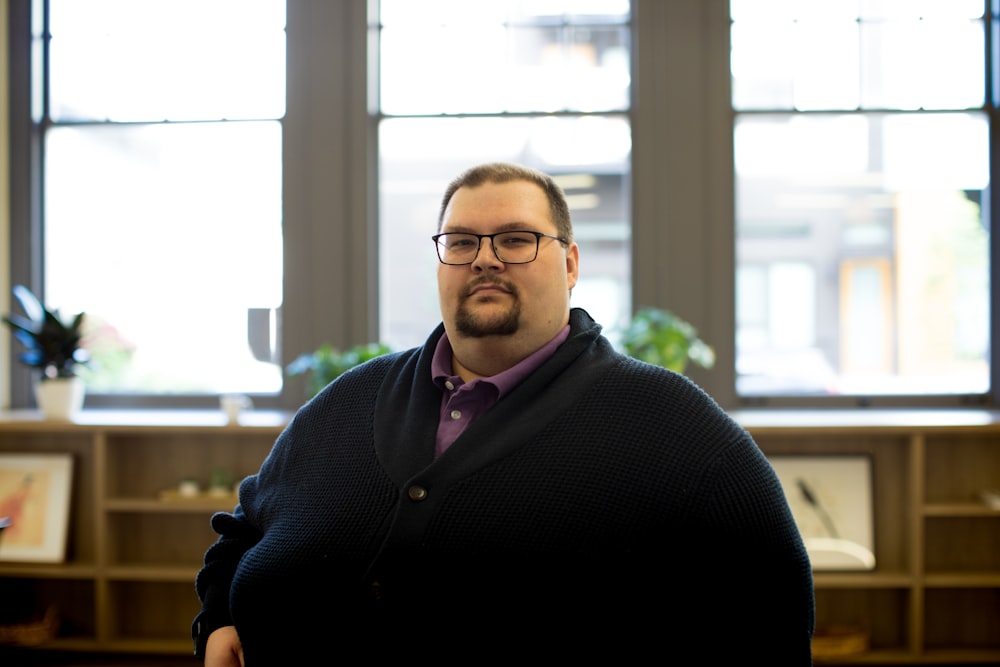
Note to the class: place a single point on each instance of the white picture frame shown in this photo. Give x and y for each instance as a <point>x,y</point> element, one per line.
<point>35,496</point>
<point>831,499</point>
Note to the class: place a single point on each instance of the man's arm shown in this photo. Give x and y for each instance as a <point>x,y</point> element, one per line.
<point>223,648</point>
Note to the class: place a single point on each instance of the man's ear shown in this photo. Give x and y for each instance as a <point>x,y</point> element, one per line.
<point>572,265</point>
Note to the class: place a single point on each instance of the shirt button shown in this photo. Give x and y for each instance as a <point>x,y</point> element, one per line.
<point>456,414</point>
<point>449,385</point>
<point>416,493</point>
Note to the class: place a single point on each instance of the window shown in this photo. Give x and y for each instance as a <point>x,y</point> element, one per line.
<point>540,83</point>
<point>862,166</point>
<point>806,261</point>
<point>161,142</point>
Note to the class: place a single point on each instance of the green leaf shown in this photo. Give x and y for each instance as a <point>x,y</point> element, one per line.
<point>326,363</point>
<point>658,336</point>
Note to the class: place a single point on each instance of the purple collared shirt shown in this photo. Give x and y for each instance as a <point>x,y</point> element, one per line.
<point>462,403</point>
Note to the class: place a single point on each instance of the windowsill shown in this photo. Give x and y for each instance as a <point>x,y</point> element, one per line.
<point>865,417</point>
<point>751,419</point>
<point>164,418</point>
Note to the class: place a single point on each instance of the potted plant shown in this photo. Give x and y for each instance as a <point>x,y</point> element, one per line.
<point>326,363</point>
<point>55,347</point>
<point>660,337</point>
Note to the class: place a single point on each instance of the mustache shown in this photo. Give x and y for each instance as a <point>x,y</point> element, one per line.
<point>487,280</point>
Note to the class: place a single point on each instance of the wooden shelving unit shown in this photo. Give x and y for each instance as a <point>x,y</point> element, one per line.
<point>934,596</point>
<point>127,582</point>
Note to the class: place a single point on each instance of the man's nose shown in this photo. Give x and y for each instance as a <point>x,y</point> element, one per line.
<point>486,256</point>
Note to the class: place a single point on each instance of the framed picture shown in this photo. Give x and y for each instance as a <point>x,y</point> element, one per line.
<point>831,500</point>
<point>34,498</point>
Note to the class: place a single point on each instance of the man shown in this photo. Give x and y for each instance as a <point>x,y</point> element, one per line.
<point>514,488</point>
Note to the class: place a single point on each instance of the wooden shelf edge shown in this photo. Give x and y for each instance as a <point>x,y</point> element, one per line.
<point>931,657</point>
<point>46,571</point>
<point>82,644</point>
<point>939,580</point>
<point>153,573</point>
<point>873,657</point>
<point>960,509</point>
<point>202,504</point>
<point>152,646</point>
<point>984,656</point>
<point>863,580</point>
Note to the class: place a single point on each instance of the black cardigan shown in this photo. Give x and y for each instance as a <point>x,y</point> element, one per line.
<point>604,507</point>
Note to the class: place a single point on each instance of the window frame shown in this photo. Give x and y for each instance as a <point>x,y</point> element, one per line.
<point>990,204</point>
<point>682,188</point>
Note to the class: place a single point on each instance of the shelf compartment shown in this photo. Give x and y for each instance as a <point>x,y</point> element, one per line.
<point>27,599</point>
<point>152,612</point>
<point>962,618</point>
<point>882,612</point>
<point>958,467</point>
<point>158,539</point>
<point>178,457</point>
<point>962,544</point>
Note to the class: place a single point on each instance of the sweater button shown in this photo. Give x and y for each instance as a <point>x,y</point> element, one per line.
<point>416,493</point>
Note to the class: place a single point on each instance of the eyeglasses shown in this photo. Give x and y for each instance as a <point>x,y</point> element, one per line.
<point>518,247</point>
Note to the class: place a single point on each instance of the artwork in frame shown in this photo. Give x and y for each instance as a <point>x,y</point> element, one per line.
<point>831,500</point>
<point>35,500</point>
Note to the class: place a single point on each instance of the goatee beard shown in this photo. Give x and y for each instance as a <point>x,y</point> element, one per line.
<point>474,326</point>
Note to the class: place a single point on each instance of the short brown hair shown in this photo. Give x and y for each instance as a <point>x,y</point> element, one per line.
<point>506,172</point>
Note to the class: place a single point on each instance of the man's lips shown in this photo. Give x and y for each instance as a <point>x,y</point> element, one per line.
<point>487,288</point>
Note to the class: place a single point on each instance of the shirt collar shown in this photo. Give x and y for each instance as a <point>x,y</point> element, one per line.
<point>505,380</point>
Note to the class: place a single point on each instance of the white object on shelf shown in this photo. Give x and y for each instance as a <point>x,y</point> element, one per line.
<point>990,498</point>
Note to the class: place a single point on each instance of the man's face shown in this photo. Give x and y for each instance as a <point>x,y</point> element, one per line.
<point>490,298</point>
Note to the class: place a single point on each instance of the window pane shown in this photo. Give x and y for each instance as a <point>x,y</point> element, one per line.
<point>597,11</point>
<point>862,254</point>
<point>911,9</point>
<point>784,10</point>
<point>789,10</point>
<point>830,60</point>
<point>474,61</point>
<point>169,237</point>
<point>801,65</point>
<point>826,71</point>
<point>396,12</point>
<point>123,60</point>
<point>902,73</point>
<point>418,157</point>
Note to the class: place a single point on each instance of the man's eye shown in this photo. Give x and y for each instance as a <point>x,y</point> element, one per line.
<point>518,239</point>
<point>460,243</point>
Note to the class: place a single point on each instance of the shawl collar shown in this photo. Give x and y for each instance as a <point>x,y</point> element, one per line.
<point>408,403</point>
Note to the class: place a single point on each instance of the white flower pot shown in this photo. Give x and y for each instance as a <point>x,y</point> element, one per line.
<point>60,399</point>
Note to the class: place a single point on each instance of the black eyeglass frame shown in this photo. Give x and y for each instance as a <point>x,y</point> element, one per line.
<point>538,237</point>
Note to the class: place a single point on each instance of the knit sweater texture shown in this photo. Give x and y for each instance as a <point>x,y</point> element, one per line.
<point>604,508</point>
